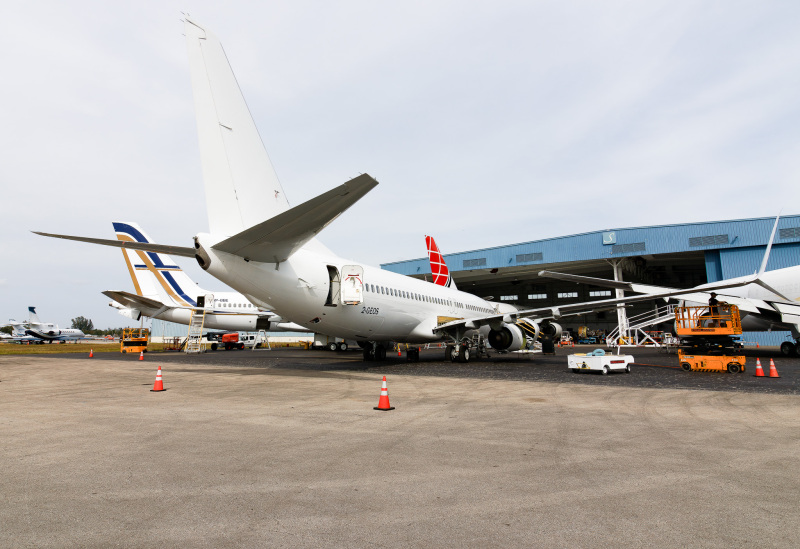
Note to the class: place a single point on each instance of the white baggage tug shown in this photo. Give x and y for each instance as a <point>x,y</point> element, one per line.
<point>600,361</point>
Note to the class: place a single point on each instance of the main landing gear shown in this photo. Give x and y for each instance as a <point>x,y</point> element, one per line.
<point>790,348</point>
<point>458,353</point>
<point>374,351</point>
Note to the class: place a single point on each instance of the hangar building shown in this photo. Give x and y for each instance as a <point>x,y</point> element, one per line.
<point>679,256</point>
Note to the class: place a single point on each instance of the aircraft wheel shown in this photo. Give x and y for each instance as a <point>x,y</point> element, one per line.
<point>380,353</point>
<point>788,348</point>
<point>734,368</point>
<point>369,354</point>
<point>342,346</point>
<point>463,353</point>
<point>686,367</point>
<point>449,353</point>
<point>332,346</point>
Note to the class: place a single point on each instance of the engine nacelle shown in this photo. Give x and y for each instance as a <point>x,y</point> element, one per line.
<point>201,256</point>
<point>507,338</point>
<point>549,329</point>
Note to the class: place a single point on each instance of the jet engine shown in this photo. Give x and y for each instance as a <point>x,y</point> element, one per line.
<point>549,329</point>
<point>507,338</point>
<point>201,256</point>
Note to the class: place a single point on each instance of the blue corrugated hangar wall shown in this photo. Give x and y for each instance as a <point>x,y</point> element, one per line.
<point>730,248</point>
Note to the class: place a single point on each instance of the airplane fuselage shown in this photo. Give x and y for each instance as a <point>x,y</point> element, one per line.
<point>394,307</point>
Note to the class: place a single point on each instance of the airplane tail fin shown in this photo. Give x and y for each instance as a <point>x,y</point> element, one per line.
<point>441,274</point>
<point>155,275</point>
<point>32,316</point>
<point>758,280</point>
<point>242,189</point>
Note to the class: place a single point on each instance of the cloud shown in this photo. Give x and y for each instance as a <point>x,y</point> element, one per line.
<point>485,124</point>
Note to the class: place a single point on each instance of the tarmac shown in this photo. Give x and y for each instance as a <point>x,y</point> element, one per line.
<point>283,448</point>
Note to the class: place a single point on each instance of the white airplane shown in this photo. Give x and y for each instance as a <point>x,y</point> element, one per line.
<point>165,292</point>
<point>768,303</point>
<point>36,331</point>
<point>264,248</point>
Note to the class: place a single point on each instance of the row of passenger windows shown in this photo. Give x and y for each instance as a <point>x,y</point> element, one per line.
<point>372,288</point>
<point>235,305</point>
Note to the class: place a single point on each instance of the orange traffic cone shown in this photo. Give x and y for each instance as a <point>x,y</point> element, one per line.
<point>141,355</point>
<point>759,369</point>
<point>383,402</point>
<point>159,384</point>
<point>91,353</point>
<point>773,371</point>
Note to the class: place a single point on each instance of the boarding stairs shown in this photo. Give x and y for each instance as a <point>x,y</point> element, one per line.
<point>261,337</point>
<point>635,335</point>
<point>195,331</point>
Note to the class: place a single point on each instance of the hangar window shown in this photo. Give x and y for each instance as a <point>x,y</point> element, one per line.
<point>524,258</point>
<point>537,296</point>
<point>624,248</point>
<point>790,232</point>
<point>600,293</point>
<point>716,240</point>
<point>480,262</point>
<point>563,295</point>
<point>509,297</point>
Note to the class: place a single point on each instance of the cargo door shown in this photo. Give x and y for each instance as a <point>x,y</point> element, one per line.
<point>352,284</point>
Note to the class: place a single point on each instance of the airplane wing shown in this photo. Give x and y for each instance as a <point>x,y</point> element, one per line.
<point>143,246</point>
<point>274,240</point>
<point>572,309</point>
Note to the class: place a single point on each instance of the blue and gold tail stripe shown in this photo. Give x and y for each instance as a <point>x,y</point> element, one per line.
<point>154,264</point>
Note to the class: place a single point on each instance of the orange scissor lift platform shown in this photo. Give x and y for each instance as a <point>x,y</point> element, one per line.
<point>709,326</point>
<point>134,340</point>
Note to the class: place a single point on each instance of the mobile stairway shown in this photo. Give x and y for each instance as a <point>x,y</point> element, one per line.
<point>635,335</point>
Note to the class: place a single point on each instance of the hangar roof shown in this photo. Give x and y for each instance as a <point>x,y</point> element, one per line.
<point>586,251</point>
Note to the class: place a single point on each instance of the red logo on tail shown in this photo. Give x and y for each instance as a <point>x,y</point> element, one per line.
<point>441,275</point>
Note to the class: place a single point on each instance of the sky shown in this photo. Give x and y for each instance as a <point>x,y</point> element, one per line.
<point>486,123</point>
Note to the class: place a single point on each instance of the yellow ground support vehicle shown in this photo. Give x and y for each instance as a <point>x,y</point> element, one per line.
<point>711,363</point>
<point>134,340</point>
<point>709,331</point>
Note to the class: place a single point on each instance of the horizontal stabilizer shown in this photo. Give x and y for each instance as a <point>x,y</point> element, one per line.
<point>143,246</point>
<point>132,300</point>
<point>274,240</point>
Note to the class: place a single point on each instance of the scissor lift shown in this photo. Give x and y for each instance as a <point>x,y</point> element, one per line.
<point>710,331</point>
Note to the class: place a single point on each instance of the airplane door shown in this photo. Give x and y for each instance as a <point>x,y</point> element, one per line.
<point>334,290</point>
<point>208,301</point>
<point>352,284</point>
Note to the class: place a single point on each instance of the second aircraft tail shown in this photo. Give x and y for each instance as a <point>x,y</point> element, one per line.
<point>155,275</point>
